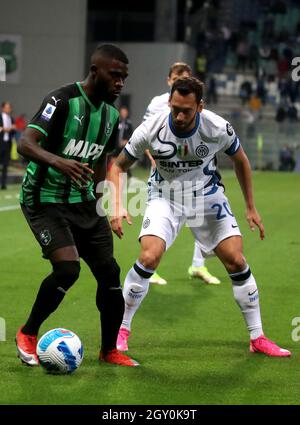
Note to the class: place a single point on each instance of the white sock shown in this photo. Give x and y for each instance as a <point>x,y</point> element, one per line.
<point>245,293</point>
<point>198,260</point>
<point>135,289</point>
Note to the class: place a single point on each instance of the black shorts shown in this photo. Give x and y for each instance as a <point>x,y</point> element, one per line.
<point>58,225</point>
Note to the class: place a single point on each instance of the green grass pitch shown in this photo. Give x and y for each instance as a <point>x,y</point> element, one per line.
<point>190,338</point>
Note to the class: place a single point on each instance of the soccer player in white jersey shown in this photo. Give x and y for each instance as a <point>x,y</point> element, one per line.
<point>160,104</point>
<point>184,143</point>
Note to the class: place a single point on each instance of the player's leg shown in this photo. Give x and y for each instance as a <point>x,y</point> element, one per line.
<point>96,248</point>
<point>159,230</point>
<point>220,233</point>
<point>55,238</point>
<point>245,291</point>
<point>136,283</point>
<point>65,271</point>
<point>198,268</point>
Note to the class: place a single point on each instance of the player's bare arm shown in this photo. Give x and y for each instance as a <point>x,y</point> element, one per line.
<point>30,148</point>
<point>243,172</point>
<point>153,163</point>
<point>120,166</point>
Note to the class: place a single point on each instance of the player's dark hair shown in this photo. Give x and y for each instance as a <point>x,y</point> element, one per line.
<point>111,51</point>
<point>179,68</point>
<point>188,85</point>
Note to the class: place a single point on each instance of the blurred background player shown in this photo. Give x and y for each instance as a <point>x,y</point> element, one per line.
<point>125,130</point>
<point>7,130</point>
<point>160,104</point>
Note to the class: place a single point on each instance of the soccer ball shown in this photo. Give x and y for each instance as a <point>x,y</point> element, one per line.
<point>60,351</point>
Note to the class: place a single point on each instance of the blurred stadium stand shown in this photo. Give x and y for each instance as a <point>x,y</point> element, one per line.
<point>241,49</point>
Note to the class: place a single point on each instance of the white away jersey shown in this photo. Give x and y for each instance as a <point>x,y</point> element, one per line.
<point>186,157</point>
<point>157,104</point>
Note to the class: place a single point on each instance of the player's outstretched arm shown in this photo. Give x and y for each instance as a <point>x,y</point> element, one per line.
<point>115,177</point>
<point>30,148</point>
<point>243,172</point>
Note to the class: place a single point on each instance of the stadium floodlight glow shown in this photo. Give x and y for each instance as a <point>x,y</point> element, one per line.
<point>2,69</point>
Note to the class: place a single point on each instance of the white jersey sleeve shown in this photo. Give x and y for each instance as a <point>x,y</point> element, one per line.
<point>157,104</point>
<point>228,139</point>
<point>217,130</point>
<point>138,142</point>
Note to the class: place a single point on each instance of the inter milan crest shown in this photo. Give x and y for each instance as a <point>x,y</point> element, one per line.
<point>182,150</point>
<point>202,151</point>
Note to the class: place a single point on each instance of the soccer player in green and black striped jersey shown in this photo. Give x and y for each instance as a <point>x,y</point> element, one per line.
<point>67,142</point>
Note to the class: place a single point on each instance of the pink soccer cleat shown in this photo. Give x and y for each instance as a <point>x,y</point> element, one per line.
<point>122,341</point>
<point>266,346</point>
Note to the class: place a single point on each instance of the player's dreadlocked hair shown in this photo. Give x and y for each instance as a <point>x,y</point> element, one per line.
<point>188,85</point>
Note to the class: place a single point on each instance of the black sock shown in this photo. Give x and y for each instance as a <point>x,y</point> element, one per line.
<point>110,303</point>
<point>111,316</point>
<point>51,294</point>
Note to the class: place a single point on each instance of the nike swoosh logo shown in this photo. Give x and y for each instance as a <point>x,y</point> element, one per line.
<point>233,226</point>
<point>252,293</point>
<point>136,292</point>
<point>160,152</point>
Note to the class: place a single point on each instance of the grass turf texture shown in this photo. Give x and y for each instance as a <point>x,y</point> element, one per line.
<point>190,338</point>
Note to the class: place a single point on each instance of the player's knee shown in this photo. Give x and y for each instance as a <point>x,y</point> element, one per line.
<point>66,273</point>
<point>235,263</point>
<point>150,258</point>
<point>109,293</point>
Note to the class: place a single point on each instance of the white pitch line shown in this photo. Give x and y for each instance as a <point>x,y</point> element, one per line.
<point>9,208</point>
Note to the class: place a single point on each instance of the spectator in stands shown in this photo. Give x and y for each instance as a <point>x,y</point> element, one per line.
<point>292,113</point>
<point>261,89</point>
<point>286,159</point>
<point>125,130</point>
<point>212,96</point>
<point>201,66</point>
<point>242,54</point>
<point>283,66</point>
<point>245,91</point>
<point>20,123</point>
<point>280,113</point>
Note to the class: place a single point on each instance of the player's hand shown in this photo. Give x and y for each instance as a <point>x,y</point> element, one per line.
<point>80,173</point>
<point>116,222</point>
<point>254,219</point>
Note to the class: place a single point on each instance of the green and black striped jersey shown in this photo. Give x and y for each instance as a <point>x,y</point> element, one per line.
<point>73,128</point>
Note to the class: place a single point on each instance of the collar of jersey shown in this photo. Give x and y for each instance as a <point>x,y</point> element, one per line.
<point>184,135</point>
<point>86,98</point>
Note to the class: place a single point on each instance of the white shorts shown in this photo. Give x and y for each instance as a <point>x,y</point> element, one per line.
<point>218,224</point>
